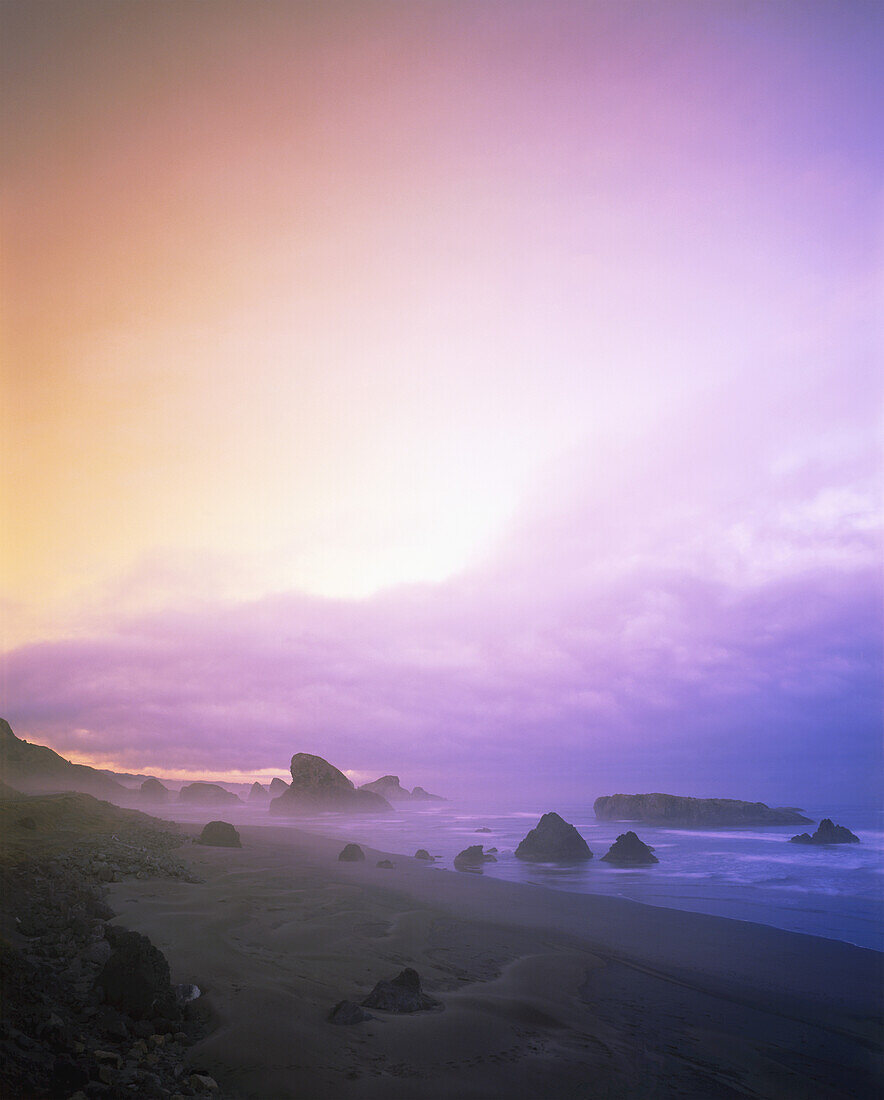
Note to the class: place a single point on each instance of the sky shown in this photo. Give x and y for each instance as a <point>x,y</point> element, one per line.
<point>484,393</point>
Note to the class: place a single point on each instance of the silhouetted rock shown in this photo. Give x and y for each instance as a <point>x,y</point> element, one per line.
<point>553,840</point>
<point>418,794</point>
<point>402,994</point>
<point>422,853</point>
<point>152,790</point>
<point>386,864</point>
<point>483,829</point>
<point>628,851</point>
<point>472,858</point>
<point>205,794</point>
<point>277,787</point>
<point>318,785</point>
<point>351,853</point>
<point>346,1013</point>
<point>678,810</point>
<point>389,787</point>
<point>220,834</point>
<point>36,769</point>
<point>135,979</point>
<point>827,833</point>
<point>258,793</point>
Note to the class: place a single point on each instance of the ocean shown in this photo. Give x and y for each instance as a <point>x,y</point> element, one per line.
<point>745,874</point>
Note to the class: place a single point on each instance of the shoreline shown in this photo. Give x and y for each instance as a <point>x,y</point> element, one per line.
<point>557,983</point>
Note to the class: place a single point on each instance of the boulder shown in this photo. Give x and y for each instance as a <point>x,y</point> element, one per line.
<point>317,785</point>
<point>387,864</point>
<point>206,794</point>
<point>351,853</point>
<point>472,858</point>
<point>628,851</point>
<point>483,829</point>
<point>152,790</point>
<point>220,834</point>
<point>135,979</point>
<point>422,853</point>
<point>402,994</point>
<point>827,833</point>
<point>258,793</point>
<point>678,810</point>
<point>277,786</point>
<point>346,1013</point>
<point>553,840</point>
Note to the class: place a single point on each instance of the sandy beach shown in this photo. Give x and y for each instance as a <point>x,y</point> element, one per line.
<point>543,993</point>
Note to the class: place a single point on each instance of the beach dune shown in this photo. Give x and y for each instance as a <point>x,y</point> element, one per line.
<point>544,994</point>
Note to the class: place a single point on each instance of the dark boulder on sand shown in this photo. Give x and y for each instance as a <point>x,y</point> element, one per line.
<point>679,810</point>
<point>402,994</point>
<point>472,858</point>
<point>827,833</point>
<point>318,785</point>
<point>346,1013</point>
<point>422,853</point>
<point>205,794</point>
<point>351,853</point>
<point>553,840</point>
<point>135,979</point>
<point>628,851</point>
<point>258,793</point>
<point>220,834</point>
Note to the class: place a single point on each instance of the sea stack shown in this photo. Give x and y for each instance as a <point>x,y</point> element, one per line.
<point>472,858</point>
<point>206,794</point>
<point>152,790</point>
<point>628,851</point>
<point>827,833</point>
<point>258,793</point>
<point>553,840</point>
<point>678,810</point>
<point>277,787</point>
<point>317,785</point>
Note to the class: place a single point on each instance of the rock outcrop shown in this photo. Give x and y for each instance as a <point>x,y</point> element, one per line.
<point>472,858</point>
<point>220,834</point>
<point>422,853</point>
<point>628,851</point>
<point>135,979</point>
<point>402,994</point>
<point>346,1013</point>
<point>827,833</point>
<point>317,785</point>
<point>678,810</point>
<point>258,793</point>
<point>152,790</point>
<point>389,787</point>
<point>553,840</point>
<point>277,787</point>
<point>36,769</point>
<point>351,853</point>
<point>205,794</point>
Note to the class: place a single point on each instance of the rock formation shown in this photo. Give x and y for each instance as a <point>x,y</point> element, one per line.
<point>220,834</point>
<point>152,790</point>
<point>386,864</point>
<point>628,851</point>
<point>351,853</point>
<point>827,833</point>
<point>472,858</point>
<point>678,810</point>
<point>206,794</point>
<point>277,787</point>
<point>36,769</point>
<point>257,793</point>
<point>389,787</point>
<point>317,785</point>
<point>135,979</point>
<point>346,1013</point>
<point>422,853</point>
<point>484,829</point>
<point>402,994</point>
<point>553,840</point>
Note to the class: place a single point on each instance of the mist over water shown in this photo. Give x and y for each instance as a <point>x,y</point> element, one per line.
<point>746,874</point>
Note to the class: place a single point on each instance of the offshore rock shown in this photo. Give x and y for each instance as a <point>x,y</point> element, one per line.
<point>679,810</point>
<point>318,785</point>
<point>389,787</point>
<point>220,834</point>
<point>827,833</point>
<point>277,786</point>
<point>206,794</point>
<point>553,840</point>
<point>422,853</point>
<point>152,790</point>
<point>628,851</point>
<point>472,858</point>
<point>258,793</point>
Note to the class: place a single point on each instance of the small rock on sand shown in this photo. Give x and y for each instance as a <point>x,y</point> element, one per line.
<point>402,994</point>
<point>220,834</point>
<point>351,853</point>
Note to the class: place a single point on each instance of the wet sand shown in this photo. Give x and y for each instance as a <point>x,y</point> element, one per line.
<point>545,994</point>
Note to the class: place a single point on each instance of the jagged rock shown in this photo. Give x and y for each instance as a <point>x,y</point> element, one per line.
<point>351,853</point>
<point>317,785</point>
<point>220,834</point>
<point>420,795</point>
<point>152,790</point>
<point>346,1013</point>
<point>258,793</point>
<point>35,769</point>
<point>402,994</point>
<point>472,858</point>
<point>135,979</point>
<point>277,786</point>
<point>422,853</point>
<point>553,840</point>
<point>827,833</point>
<point>679,810</point>
<point>207,794</point>
<point>387,864</point>
<point>484,829</point>
<point>389,787</point>
<point>628,851</point>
